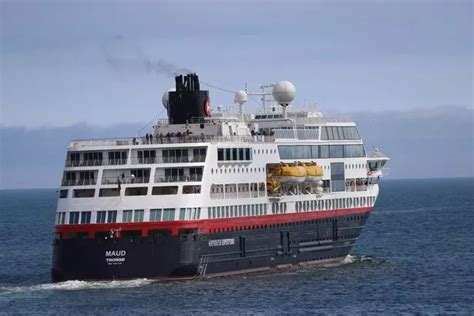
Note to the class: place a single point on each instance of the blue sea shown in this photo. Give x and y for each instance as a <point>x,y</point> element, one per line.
<point>415,255</point>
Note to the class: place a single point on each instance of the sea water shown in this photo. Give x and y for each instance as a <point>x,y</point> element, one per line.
<point>416,254</point>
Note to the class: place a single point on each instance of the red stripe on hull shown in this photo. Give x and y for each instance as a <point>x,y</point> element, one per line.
<point>210,225</point>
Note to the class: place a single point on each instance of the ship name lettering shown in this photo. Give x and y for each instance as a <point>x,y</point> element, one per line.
<point>115,253</point>
<point>221,242</point>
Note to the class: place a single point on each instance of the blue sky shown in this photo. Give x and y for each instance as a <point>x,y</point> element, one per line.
<point>65,62</point>
<point>72,69</point>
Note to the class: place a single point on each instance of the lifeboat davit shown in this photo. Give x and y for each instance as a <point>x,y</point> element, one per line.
<point>273,185</point>
<point>289,173</point>
<point>314,173</point>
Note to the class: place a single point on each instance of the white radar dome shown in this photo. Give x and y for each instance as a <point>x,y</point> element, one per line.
<point>240,97</point>
<point>284,92</point>
<point>165,98</point>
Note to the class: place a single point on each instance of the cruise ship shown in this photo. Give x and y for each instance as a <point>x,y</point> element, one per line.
<point>205,195</point>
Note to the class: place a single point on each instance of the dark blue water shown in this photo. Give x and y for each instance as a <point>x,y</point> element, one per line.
<point>416,254</point>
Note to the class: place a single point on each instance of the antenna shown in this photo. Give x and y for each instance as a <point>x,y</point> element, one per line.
<point>284,92</point>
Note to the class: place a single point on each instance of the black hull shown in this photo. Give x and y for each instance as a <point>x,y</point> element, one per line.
<point>201,255</point>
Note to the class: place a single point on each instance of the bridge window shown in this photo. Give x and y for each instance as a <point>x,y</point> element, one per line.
<point>339,133</point>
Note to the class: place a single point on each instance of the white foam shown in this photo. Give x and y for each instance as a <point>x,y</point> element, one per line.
<point>349,259</point>
<point>77,285</point>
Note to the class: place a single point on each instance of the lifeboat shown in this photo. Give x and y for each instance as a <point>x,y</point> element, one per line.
<point>289,173</point>
<point>314,173</point>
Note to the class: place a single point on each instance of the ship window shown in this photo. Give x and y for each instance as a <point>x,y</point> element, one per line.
<point>350,132</point>
<point>117,157</point>
<point>175,155</point>
<point>195,174</point>
<point>168,214</point>
<point>199,154</point>
<point>109,192</point>
<point>74,218</point>
<point>101,216</point>
<point>336,151</point>
<point>165,190</point>
<point>74,159</point>
<point>93,159</point>
<point>69,178</point>
<point>127,216</point>
<point>146,156</point>
<point>63,194</point>
<point>351,151</point>
<point>86,177</point>
<point>234,154</point>
<point>136,191</point>
<point>155,215</point>
<point>138,216</point>
<point>191,189</point>
<point>84,193</point>
<point>85,217</point>
<point>182,214</point>
<point>62,218</point>
<point>111,216</point>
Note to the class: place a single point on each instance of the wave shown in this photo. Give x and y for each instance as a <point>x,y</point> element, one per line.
<point>76,285</point>
<point>408,210</point>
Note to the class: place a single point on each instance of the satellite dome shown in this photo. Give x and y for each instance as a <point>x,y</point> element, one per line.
<point>284,92</point>
<point>165,98</point>
<point>240,97</point>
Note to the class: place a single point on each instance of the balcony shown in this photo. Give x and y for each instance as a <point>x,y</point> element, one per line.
<point>74,182</point>
<point>188,178</point>
<point>125,180</point>
<point>96,162</point>
<point>160,159</point>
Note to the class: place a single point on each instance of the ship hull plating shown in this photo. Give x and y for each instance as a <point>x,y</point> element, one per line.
<point>203,255</point>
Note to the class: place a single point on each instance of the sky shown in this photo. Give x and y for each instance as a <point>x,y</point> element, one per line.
<point>106,64</point>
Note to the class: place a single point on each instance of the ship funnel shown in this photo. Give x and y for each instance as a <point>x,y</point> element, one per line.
<point>188,103</point>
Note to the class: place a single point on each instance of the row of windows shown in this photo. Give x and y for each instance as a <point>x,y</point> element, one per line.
<point>237,210</point>
<point>96,158</point>
<point>310,206</point>
<point>169,155</point>
<point>229,211</point>
<point>320,151</point>
<point>189,213</point>
<point>132,191</point>
<point>339,133</point>
<point>236,170</point>
<point>235,190</point>
<point>234,154</point>
<point>264,151</point>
